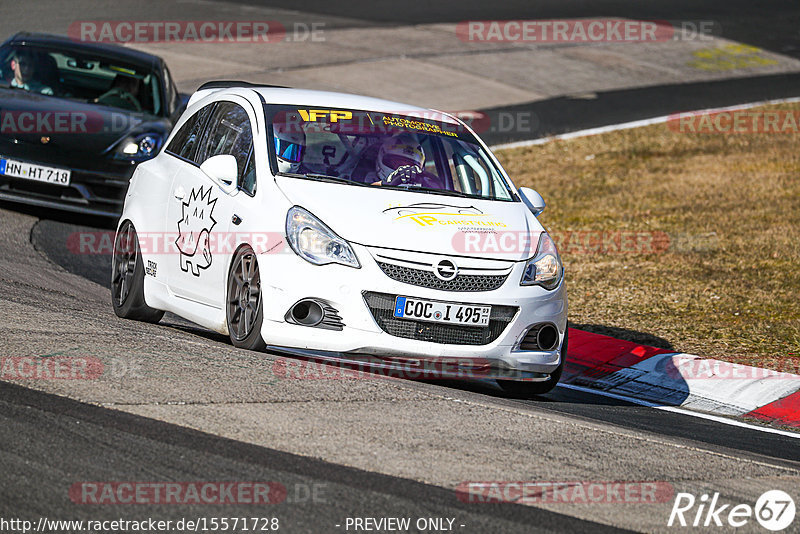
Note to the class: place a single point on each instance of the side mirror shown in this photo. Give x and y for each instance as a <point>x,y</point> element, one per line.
<point>532,199</point>
<point>223,170</point>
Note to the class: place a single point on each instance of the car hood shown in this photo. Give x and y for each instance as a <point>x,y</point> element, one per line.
<point>70,125</point>
<point>420,222</point>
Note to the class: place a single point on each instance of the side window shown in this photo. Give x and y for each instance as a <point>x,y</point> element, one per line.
<point>463,175</point>
<point>185,141</point>
<point>229,132</point>
<point>471,172</point>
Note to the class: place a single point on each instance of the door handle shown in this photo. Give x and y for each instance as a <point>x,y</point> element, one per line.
<point>180,193</point>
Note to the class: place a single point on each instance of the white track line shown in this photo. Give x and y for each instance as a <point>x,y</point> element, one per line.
<point>637,124</point>
<point>683,411</point>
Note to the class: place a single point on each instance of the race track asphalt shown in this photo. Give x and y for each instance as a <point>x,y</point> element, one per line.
<point>196,409</point>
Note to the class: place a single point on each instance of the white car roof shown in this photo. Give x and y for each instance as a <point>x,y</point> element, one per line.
<point>308,97</point>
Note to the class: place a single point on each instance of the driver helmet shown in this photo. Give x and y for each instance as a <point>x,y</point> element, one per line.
<point>398,151</point>
<point>290,146</point>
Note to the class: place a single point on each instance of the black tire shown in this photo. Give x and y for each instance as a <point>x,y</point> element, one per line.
<point>527,389</point>
<point>244,310</point>
<point>127,278</point>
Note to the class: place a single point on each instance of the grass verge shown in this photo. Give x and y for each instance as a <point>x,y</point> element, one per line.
<point>688,241</point>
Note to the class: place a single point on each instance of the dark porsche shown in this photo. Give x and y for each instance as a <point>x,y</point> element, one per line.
<point>76,118</point>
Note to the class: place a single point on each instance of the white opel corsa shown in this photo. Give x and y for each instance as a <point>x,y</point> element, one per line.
<point>343,227</point>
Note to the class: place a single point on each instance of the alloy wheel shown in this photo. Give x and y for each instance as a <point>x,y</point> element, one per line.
<point>244,296</point>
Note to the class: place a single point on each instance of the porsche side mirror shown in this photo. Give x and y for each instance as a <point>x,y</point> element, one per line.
<point>223,170</point>
<point>532,199</point>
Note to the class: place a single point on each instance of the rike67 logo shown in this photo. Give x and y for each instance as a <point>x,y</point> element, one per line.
<point>774,510</point>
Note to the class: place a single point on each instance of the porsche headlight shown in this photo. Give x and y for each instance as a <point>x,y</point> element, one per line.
<point>139,148</point>
<point>313,241</point>
<point>545,268</point>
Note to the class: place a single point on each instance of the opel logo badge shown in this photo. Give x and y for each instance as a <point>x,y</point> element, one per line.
<point>445,270</point>
<point>45,139</point>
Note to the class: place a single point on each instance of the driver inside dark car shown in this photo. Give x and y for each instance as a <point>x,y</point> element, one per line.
<point>24,67</point>
<point>123,93</point>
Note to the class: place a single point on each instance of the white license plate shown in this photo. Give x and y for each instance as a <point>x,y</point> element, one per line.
<point>32,171</point>
<point>441,312</point>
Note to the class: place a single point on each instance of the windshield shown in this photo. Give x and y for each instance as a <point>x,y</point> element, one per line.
<point>393,151</point>
<point>80,76</point>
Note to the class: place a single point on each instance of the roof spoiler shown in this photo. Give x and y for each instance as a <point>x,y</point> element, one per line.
<point>211,87</point>
<point>226,84</point>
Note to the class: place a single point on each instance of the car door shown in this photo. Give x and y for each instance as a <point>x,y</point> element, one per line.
<point>202,211</point>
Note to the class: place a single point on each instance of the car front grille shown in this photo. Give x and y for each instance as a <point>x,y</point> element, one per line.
<point>86,189</point>
<point>382,307</point>
<point>423,278</point>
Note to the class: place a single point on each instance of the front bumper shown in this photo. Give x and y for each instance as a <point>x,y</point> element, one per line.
<point>287,279</point>
<point>91,192</point>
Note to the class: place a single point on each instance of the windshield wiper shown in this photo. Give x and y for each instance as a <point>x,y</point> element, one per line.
<point>318,176</point>
<point>432,190</point>
<point>329,178</point>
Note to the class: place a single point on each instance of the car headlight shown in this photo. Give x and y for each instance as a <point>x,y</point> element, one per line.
<point>139,148</point>
<point>313,241</point>
<point>545,268</point>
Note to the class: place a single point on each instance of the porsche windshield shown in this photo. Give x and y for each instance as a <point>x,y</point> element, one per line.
<point>395,151</point>
<point>80,76</point>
